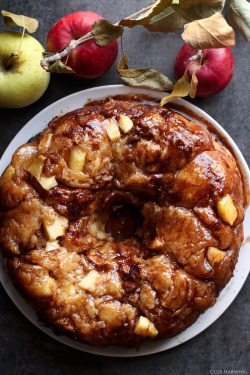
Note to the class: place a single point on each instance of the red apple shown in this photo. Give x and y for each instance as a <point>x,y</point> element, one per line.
<point>215,73</point>
<point>88,59</point>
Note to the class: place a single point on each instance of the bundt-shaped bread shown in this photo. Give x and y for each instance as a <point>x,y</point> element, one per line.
<point>121,221</point>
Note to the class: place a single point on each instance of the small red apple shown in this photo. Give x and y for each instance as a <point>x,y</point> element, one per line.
<point>88,60</point>
<point>215,73</point>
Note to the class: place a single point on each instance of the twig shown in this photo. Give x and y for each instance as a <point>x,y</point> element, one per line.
<point>58,55</point>
<point>49,58</point>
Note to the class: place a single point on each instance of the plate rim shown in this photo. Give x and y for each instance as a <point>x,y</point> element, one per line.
<point>158,345</point>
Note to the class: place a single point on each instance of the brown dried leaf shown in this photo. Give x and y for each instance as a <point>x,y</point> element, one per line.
<point>157,7</point>
<point>181,89</point>
<point>11,19</point>
<point>166,21</point>
<point>105,32</point>
<point>194,84</point>
<point>212,32</point>
<point>59,67</point>
<point>198,9</point>
<point>238,14</point>
<point>147,77</point>
<point>190,3</point>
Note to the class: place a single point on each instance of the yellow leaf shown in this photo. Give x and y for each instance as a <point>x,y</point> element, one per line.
<point>59,67</point>
<point>211,32</point>
<point>181,88</point>
<point>156,7</point>
<point>190,3</point>
<point>145,77</point>
<point>105,32</point>
<point>11,19</point>
<point>238,15</point>
<point>194,84</point>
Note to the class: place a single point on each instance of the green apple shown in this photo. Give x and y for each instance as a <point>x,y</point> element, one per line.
<point>22,80</point>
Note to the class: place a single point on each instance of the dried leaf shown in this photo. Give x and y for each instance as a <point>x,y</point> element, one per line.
<point>194,84</point>
<point>60,67</point>
<point>11,19</point>
<point>144,18</point>
<point>190,3</point>
<point>238,14</point>
<point>123,63</point>
<point>212,32</point>
<point>166,21</point>
<point>181,89</point>
<point>105,32</point>
<point>148,77</point>
<point>196,10</point>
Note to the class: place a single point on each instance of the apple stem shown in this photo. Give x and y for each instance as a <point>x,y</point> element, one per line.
<point>21,41</point>
<point>51,57</point>
<point>198,56</point>
<point>13,54</point>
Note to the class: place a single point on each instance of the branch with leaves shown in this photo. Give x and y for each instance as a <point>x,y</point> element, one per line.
<point>204,27</point>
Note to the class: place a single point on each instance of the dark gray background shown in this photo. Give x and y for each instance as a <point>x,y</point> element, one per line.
<point>225,344</point>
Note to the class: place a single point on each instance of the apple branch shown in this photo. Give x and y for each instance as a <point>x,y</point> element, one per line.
<point>65,51</point>
<point>51,57</point>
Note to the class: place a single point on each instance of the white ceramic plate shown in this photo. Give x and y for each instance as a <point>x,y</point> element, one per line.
<point>74,101</point>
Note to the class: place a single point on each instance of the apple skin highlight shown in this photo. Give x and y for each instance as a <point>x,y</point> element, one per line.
<point>88,60</point>
<point>22,80</point>
<point>215,73</point>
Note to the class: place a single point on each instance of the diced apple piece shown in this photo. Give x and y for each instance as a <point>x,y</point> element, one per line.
<point>144,327</point>
<point>36,167</point>
<point>215,255</point>
<point>89,281</point>
<point>112,130</point>
<point>227,210</point>
<point>48,182</point>
<point>56,229</point>
<point>7,175</point>
<point>51,245</point>
<point>77,159</point>
<point>125,123</point>
<point>45,142</point>
<point>47,286</point>
<point>156,244</point>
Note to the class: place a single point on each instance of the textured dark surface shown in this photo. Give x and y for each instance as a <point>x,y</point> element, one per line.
<point>224,346</point>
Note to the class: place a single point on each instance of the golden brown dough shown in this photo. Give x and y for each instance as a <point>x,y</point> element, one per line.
<point>118,232</point>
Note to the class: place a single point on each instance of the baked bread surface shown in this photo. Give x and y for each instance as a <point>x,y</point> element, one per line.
<point>121,222</point>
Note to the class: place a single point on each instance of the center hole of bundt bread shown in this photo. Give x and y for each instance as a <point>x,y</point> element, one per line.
<point>124,222</point>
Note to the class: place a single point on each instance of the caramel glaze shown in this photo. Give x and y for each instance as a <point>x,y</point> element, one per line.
<point>142,213</point>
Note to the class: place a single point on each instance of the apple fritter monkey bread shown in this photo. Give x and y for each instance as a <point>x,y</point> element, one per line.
<point>121,221</point>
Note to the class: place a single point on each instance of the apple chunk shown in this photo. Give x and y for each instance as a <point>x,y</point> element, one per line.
<point>125,123</point>
<point>46,287</point>
<point>77,159</point>
<point>227,210</point>
<point>51,245</point>
<point>112,130</point>
<point>215,255</point>
<point>56,229</point>
<point>45,142</point>
<point>36,167</point>
<point>89,281</point>
<point>144,327</point>
<point>48,182</point>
